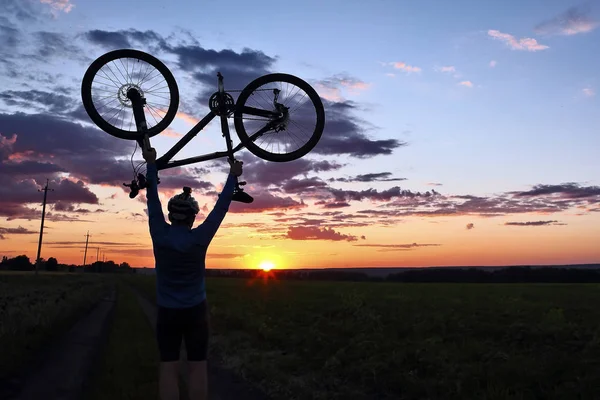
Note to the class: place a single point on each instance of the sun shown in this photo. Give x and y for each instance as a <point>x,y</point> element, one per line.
<point>266,266</point>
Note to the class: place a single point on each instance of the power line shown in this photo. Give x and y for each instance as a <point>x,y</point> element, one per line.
<point>37,260</point>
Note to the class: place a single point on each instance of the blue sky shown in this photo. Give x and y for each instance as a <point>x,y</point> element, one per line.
<point>491,98</point>
<point>525,120</point>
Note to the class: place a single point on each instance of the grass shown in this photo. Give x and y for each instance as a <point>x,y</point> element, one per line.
<point>334,340</point>
<point>37,309</point>
<point>129,365</point>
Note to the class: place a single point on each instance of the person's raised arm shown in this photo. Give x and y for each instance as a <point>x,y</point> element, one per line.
<point>156,218</point>
<point>207,230</point>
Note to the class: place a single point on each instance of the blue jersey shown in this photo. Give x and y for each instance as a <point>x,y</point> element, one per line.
<point>180,252</point>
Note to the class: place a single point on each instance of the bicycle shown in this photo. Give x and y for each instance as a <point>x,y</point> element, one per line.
<point>135,89</point>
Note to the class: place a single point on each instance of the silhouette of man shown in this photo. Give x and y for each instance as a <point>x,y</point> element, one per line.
<point>179,253</point>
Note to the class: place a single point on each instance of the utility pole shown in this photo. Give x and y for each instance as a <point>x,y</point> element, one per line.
<point>97,252</point>
<point>87,237</point>
<point>37,260</point>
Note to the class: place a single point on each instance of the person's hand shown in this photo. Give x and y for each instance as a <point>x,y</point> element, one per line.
<point>149,155</point>
<point>236,167</point>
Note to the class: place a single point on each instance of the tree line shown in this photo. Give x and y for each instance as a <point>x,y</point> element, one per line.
<point>523,274</point>
<point>23,263</point>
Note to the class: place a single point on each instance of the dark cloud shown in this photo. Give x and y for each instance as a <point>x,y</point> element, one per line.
<point>177,178</point>
<point>346,134</point>
<point>332,204</point>
<point>266,173</point>
<point>57,45</point>
<point>110,40</point>
<point>569,190</point>
<point>470,226</point>
<point>86,153</point>
<point>53,102</point>
<point>14,231</point>
<point>303,185</point>
<point>575,20</point>
<point>533,223</point>
<point>373,177</point>
<point>398,247</point>
<point>9,36</point>
<point>372,194</point>
<point>316,233</point>
<point>265,201</point>
<point>434,184</point>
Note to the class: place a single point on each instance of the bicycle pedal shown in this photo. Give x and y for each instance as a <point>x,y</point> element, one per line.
<point>242,197</point>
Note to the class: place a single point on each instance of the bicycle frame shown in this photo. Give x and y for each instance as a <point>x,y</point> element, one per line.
<point>165,161</point>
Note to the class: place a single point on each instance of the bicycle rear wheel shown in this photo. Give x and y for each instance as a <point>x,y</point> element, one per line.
<point>104,92</point>
<point>289,112</point>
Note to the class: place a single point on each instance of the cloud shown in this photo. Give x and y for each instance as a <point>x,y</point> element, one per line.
<point>372,194</point>
<point>493,63</point>
<point>224,255</point>
<point>345,134</point>
<point>447,69</point>
<point>59,5</point>
<point>525,44</point>
<point>435,184</point>
<point>466,83</point>
<point>470,226</point>
<point>398,247</point>
<point>46,101</point>
<point>14,231</point>
<point>405,67</point>
<point>331,88</point>
<point>265,201</point>
<point>573,21</point>
<point>569,190</point>
<point>533,223</point>
<point>316,233</point>
<point>589,92</point>
<point>372,177</point>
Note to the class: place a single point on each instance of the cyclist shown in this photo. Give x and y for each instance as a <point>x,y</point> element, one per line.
<point>179,253</point>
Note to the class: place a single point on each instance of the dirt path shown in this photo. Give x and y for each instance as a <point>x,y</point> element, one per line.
<point>62,370</point>
<point>223,385</point>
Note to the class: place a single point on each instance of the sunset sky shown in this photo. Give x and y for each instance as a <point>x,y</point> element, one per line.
<point>457,133</point>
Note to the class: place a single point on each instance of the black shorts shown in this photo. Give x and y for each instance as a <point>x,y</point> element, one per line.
<point>189,324</point>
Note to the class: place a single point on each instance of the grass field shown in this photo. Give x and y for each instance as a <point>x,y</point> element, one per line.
<point>339,340</point>
<point>35,309</point>
<point>334,340</point>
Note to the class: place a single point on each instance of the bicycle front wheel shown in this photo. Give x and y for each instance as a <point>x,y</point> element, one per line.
<point>287,110</point>
<point>104,92</point>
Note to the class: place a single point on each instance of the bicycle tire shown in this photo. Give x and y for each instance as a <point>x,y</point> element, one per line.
<point>88,104</point>
<point>258,151</point>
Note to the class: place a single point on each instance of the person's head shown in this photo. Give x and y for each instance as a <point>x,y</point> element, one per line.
<point>183,208</point>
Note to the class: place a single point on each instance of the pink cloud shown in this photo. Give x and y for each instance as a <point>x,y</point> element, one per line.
<point>493,63</point>
<point>466,83</point>
<point>405,67</point>
<point>59,5</point>
<point>527,44</point>
<point>171,133</point>
<point>589,92</point>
